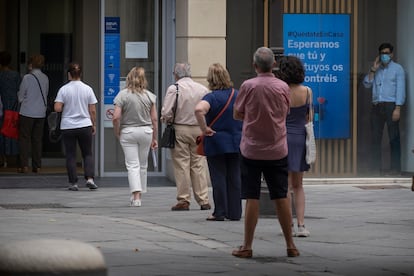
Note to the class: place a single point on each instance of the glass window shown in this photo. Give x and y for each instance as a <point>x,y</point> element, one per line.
<point>338,42</point>
<point>134,45</point>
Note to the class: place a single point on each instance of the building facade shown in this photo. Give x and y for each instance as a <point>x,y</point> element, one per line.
<point>109,37</point>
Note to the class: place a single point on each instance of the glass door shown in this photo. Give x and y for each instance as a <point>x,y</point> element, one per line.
<point>47,27</point>
<point>130,39</point>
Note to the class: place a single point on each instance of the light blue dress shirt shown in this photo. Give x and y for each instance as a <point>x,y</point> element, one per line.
<point>388,84</point>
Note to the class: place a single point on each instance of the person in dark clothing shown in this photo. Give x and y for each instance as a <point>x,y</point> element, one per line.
<point>221,143</point>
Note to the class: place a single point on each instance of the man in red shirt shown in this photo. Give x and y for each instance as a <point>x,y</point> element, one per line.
<point>263,104</point>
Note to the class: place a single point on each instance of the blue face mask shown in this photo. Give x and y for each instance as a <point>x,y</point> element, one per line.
<point>385,58</point>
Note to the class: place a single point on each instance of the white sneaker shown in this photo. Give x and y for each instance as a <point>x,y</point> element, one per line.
<point>293,231</point>
<point>302,232</point>
<point>136,203</point>
<point>91,185</point>
<point>73,187</point>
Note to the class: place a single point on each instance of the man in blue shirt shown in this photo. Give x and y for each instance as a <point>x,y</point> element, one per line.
<point>387,79</point>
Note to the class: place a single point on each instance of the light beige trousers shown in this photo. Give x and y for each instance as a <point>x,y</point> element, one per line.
<point>190,169</point>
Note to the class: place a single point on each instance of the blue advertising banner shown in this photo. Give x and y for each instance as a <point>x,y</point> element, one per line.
<point>112,25</point>
<point>112,66</point>
<point>112,42</point>
<point>322,42</point>
<point>112,59</point>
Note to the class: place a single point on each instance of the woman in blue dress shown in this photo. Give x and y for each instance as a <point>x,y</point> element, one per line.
<point>221,144</point>
<point>291,71</point>
<point>9,86</point>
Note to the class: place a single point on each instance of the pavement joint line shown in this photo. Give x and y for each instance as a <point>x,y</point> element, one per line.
<point>195,238</point>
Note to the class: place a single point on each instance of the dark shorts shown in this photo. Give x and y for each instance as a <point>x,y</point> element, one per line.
<point>275,173</point>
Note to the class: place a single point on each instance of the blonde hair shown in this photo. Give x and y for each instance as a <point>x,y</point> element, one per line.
<point>218,77</point>
<point>136,80</point>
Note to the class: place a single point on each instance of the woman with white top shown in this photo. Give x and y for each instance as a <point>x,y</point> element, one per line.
<point>76,100</point>
<point>135,125</point>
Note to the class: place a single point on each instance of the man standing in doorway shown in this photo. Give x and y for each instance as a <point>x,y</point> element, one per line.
<point>263,104</point>
<point>189,167</point>
<point>387,79</point>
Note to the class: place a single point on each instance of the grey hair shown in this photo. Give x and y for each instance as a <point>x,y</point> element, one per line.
<point>182,70</point>
<point>264,59</point>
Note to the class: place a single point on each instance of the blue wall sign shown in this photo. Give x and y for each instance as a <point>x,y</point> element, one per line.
<point>112,59</point>
<point>112,25</point>
<point>322,42</point>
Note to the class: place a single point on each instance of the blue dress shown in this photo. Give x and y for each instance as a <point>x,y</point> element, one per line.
<point>296,137</point>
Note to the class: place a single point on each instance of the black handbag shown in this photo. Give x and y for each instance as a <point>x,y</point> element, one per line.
<point>168,136</point>
<point>53,121</point>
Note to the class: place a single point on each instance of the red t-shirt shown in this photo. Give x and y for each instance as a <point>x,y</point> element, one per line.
<point>264,102</point>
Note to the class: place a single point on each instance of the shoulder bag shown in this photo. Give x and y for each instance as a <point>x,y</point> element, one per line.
<point>200,139</point>
<point>310,137</point>
<point>168,137</point>
<point>53,119</point>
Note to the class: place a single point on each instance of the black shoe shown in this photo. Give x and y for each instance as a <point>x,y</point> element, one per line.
<point>213,218</point>
<point>412,185</point>
<point>205,207</point>
<point>233,219</point>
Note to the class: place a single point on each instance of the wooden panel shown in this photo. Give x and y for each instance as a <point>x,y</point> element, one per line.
<point>318,6</point>
<point>323,6</point>
<point>342,5</point>
<point>354,84</point>
<point>298,6</point>
<point>312,6</point>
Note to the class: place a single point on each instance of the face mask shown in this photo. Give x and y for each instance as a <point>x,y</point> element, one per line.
<point>385,58</point>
